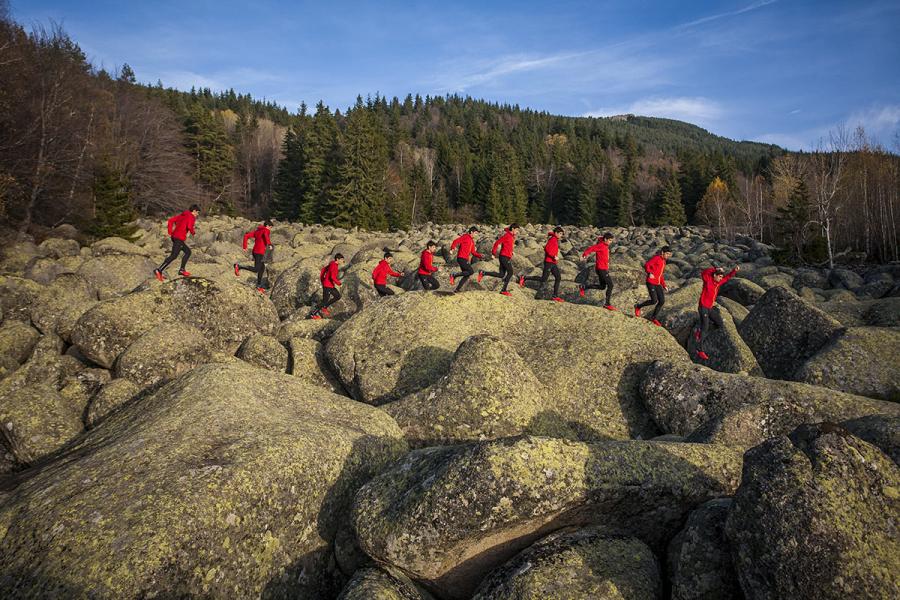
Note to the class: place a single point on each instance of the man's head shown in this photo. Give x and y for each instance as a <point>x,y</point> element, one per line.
<point>514,228</point>
<point>267,223</point>
<point>559,231</point>
<point>195,208</point>
<point>666,252</point>
<point>339,258</point>
<point>431,246</point>
<point>387,255</point>
<point>718,274</point>
<point>473,230</point>
<point>608,238</point>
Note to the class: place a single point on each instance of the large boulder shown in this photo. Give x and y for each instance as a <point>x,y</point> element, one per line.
<point>448,515</point>
<point>384,583</point>
<point>816,516</point>
<point>227,483</point>
<point>783,332</point>
<point>17,341</point>
<point>742,291</point>
<point>488,393</point>
<point>858,360</point>
<point>844,278</point>
<point>859,313</point>
<point>591,359</point>
<point>60,304</point>
<point>726,349</point>
<point>588,564</point>
<point>264,351</point>
<point>679,314</point>
<point>742,410</point>
<point>307,361</point>
<point>163,353</point>
<point>37,420</point>
<point>882,431</point>
<point>699,559</point>
<point>114,274</point>
<point>55,247</point>
<point>296,286</point>
<point>116,245</point>
<point>17,297</point>
<point>298,324</point>
<point>109,398</point>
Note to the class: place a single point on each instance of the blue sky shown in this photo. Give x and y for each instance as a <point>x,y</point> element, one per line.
<point>781,71</point>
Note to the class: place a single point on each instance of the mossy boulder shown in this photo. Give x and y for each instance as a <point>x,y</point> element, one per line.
<point>46,365</point>
<point>448,515</point>
<point>37,420</point>
<point>403,344</point>
<point>588,564</point>
<point>726,349</point>
<point>743,291</point>
<point>44,270</point>
<point>699,557</point>
<point>298,324</point>
<point>816,516</point>
<point>307,362</point>
<point>737,310</point>
<point>264,351</point>
<point>679,314</point>
<point>227,483</point>
<point>109,398</point>
<point>784,331</point>
<point>55,248</point>
<point>60,304</point>
<point>297,286</point>
<point>860,313</point>
<point>739,409</point>
<point>116,245</point>
<point>163,353</point>
<point>114,274</point>
<point>17,297</point>
<point>882,431</point>
<point>382,583</point>
<point>858,360</point>
<point>17,341</point>
<point>488,393</point>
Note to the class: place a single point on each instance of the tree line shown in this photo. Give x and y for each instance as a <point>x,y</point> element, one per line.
<point>96,148</point>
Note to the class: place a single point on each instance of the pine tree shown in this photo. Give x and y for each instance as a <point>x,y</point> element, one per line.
<point>288,190</point>
<point>113,210</point>
<point>670,210</point>
<point>208,143</point>
<point>321,155</point>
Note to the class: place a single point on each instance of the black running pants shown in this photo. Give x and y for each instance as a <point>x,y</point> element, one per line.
<point>428,282</point>
<point>506,271</point>
<point>605,282</point>
<point>707,315</point>
<point>466,269</point>
<point>259,267</point>
<point>178,246</point>
<point>549,268</point>
<point>657,297</point>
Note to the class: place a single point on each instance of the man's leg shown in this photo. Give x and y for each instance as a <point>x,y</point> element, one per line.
<point>660,300</point>
<point>466,271</point>
<point>557,277</point>
<point>186,254</point>
<point>433,282</point>
<point>176,248</point>
<point>651,289</point>
<point>260,268</point>
<point>704,325</point>
<point>506,271</point>
<point>545,274</point>
<point>608,284</point>
<point>595,286</point>
<point>383,290</point>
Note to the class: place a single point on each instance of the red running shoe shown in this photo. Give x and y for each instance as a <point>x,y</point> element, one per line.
<point>521,281</point>
<point>506,293</point>
<point>184,273</point>
<point>261,291</point>
<point>237,270</point>
<point>558,299</point>
<point>609,307</point>
<point>657,323</point>
<point>697,334</point>
<point>637,311</point>
<point>315,317</point>
<point>581,291</point>
<point>702,355</point>
<point>480,276</point>
<point>158,274</point>
<point>326,312</point>
<point>452,279</point>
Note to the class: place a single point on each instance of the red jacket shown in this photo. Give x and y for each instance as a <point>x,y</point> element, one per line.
<point>329,275</point>
<point>381,272</point>
<point>506,243</point>
<point>466,247</point>
<point>654,268</point>
<point>602,250</point>
<point>261,235</point>
<point>179,225</point>
<point>425,266</point>
<point>551,248</point>
<point>711,286</point>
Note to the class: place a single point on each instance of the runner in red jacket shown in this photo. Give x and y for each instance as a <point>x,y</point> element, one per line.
<point>713,278</point>
<point>330,282</point>
<point>656,283</point>
<point>178,227</point>
<point>381,273</point>
<point>551,257</point>
<point>426,271</point>
<point>465,250</point>
<point>504,244</point>
<point>262,242</point>
<point>604,281</point>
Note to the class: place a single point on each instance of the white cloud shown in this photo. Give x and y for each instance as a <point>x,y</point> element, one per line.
<point>880,121</point>
<point>733,13</point>
<point>697,110</point>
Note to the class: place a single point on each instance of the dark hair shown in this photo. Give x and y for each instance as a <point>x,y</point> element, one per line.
<point>513,226</point>
<point>608,236</point>
<point>267,223</point>
<point>665,249</point>
<point>194,207</point>
<point>558,230</point>
<point>473,229</point>
<point>719,270</point>
<point>338,256</point>
<point>431,243</point>
<point>387,253</point>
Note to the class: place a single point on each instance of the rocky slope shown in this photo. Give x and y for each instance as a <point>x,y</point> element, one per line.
<point>195,438</point>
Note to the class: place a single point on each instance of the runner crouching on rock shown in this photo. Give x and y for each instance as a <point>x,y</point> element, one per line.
<point>330,282</point>
<point>713,278</point>
<point>178,228</point>
<point>656,283</point>
<point>382,272</point>
<point>601,265</point>
<point>551,257</point>
<point>505,245</point>
<point>427,269</point>
<point>262,241</point>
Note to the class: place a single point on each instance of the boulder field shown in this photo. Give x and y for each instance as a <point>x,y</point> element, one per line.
<point>196,438</point>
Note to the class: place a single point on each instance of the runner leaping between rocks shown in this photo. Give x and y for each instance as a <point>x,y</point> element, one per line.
<point>504,244</point>
<point>551,257</point>
<point>601,265</point>
<point>465,250</point>
<point>262,241</point>
<point>656,284</point>
<point>713,278</point>
<point>330,282</point>
<point>178,227</point>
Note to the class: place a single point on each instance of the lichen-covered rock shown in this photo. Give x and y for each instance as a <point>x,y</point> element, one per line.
<point>588,564</point>
<point>844,278</point>
<point>743,291</point>
<point>726,349</point>
<point>308,362</point>
<point>55,247</point>
<point>163,353</point>
<point>679,314</point>
<point>109,398</point>
<point>783,332</point>
<point>699,558</point>
<point>816,516</point>
<point>737,310</point>
<point>382,583</point>
<point>448,515</point>
<point>301,326</point>
<point>15,256</point>
<point>44,270</point>
<point>227,483</point>
<point>882,431</point>
<point>403,344</point>
<point>114,274</point>
<point>60,304</point>
<point>860,313</point>
<point>489,393</point>
<point>296,286</point>
<point>17,297</point>
<point>116,245</point>
<point>264,351</point>
<point>37,420</point>
<point>17,341</point>
<point>46,365</point>
<point>858,360</point>
<point>742,410</point>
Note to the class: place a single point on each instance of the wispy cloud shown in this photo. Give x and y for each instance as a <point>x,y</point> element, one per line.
<point>733,13</point>
<point>698,110</point>
<point>881,123</point>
